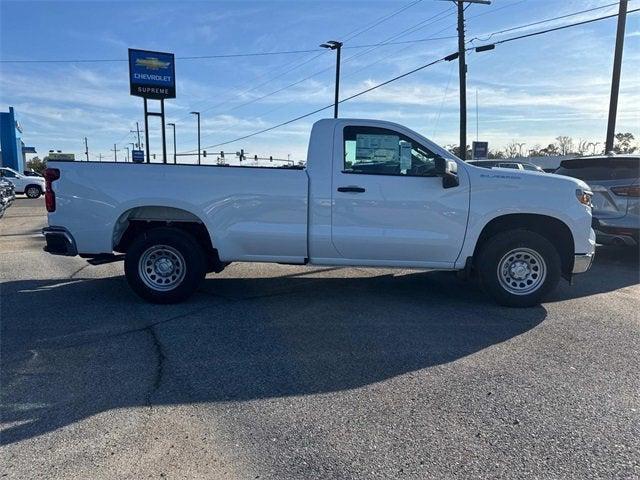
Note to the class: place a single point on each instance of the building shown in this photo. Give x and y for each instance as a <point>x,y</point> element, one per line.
<point>13,151</point>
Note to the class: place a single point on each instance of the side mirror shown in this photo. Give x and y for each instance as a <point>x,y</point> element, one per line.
<point>448,170</point>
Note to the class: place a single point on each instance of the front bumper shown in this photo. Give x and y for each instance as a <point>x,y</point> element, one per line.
<point>582,261</point>
<point>59,241</point>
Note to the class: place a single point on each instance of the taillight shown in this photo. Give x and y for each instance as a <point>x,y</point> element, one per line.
<point>627,191</point>
<point>50,175</point>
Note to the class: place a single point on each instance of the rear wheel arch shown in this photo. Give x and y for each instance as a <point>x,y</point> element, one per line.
<point>553,229</point>
<point>138,220</point>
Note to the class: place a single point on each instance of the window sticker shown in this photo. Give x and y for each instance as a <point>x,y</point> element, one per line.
<point>377,148</point>
<point>405,156</point>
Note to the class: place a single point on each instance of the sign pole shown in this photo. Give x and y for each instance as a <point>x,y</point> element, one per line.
<point>152,76</point>
<point>164,140</point>
<point>146,130</point>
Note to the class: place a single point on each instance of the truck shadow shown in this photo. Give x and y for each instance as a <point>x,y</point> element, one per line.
<point>92,346</point>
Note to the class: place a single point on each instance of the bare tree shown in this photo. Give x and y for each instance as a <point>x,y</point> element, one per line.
<point>565,144</point>
<point>583,147</point>
<point>512,149</point>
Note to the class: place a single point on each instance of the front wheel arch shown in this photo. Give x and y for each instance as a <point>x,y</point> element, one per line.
<point>551,228</point>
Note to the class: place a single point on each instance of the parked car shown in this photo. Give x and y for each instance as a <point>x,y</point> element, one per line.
<point>31,173</point>
<point>373,193</point>
<point>615,182</point>
<point>32,187</point>
<point>7,195</point>
<point>506,164</point>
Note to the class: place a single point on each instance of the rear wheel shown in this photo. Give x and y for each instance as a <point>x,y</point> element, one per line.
<point>33,191</point>
<point>165,265</point>
<point>518,268</point>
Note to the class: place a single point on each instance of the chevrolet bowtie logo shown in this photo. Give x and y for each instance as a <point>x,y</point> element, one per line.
<point>151,63</point>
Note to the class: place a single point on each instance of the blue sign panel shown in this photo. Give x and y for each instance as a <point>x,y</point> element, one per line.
<point>137,156</point>
<point>480,150</point>
<point>152,74</point>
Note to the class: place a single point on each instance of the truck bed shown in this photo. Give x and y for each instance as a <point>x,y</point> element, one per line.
<point>252,214</point>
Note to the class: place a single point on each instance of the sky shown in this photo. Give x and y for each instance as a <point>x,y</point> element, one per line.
<point>530,91</point>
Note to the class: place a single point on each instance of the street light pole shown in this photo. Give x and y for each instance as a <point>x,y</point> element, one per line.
<point>173,125</point>
<point>198,115</point>
<point>337,46</point>
<point>127,147</point>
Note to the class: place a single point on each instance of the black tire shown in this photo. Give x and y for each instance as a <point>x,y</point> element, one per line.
<point>538,263</point>
<point>184,254</point>
<point>33,191</point>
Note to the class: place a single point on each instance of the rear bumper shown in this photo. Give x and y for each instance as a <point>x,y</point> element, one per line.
<point>59,241</point>
<point>618,231</point>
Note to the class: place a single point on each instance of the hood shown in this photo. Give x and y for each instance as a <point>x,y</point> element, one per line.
<point>524,177</point>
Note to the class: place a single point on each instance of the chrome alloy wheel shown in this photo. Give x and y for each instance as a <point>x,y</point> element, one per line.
<point>161,267</point>
<point>522,271</point>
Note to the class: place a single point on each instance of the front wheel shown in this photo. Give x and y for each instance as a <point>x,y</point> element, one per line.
<point>164,265</point>
<point>518,268</point>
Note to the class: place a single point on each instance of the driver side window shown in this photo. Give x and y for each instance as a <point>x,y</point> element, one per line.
<point>380,151</point>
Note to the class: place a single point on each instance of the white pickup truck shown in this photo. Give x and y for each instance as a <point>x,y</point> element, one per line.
<point>373,193</point>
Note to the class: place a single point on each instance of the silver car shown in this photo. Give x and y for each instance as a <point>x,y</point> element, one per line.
<point>615,181</point>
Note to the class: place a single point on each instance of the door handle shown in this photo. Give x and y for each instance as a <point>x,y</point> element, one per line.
<point>351,189</point>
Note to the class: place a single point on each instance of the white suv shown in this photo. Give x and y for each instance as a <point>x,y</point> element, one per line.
<point>32,187</point>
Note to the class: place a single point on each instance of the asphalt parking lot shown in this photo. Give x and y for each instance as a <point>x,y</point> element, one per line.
<point>286,372</point>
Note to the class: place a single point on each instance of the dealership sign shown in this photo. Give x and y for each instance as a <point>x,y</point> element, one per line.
<point>137,156</point>
<point>480,150</point>
<point>152,74</point>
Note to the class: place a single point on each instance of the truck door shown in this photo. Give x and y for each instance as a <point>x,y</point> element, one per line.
<point>388,205</point>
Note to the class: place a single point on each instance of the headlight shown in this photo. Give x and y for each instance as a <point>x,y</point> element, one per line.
<point>584,196</point>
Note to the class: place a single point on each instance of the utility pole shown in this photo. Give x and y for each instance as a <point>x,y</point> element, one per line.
<point>86,148</point>
<point>115,152</point>
<point>127,147</point>
<point>462,73</point>
<point>337,46</point>
<point>137,130</point>
<point>100,157</point>
<point>615,78</point>
<point>198,115</point>
<point>175,155</point>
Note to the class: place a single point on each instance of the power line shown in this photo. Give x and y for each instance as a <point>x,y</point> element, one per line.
<point>387,41</point>
<point>554,29</point>
<point>290,52</point>
<point>348,36</point>
<point>398,77</point>
<point>381,20</point>
<point>407,31</point>
<point>560,17</point>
